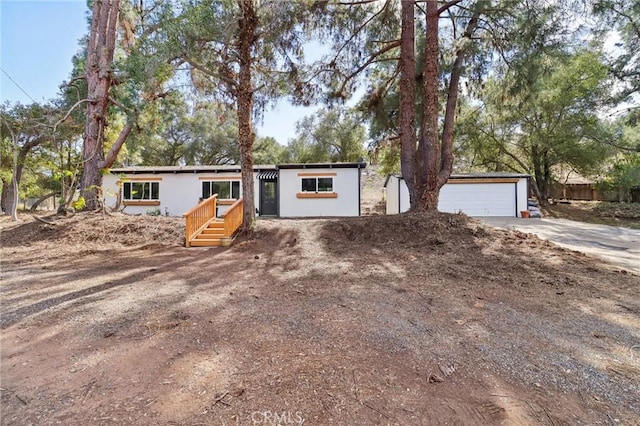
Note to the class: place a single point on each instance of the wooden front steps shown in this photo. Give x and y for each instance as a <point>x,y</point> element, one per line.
<point>203,229</point>
<point>211,236</point>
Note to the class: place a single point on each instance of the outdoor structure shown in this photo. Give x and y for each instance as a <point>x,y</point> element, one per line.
<point>475,194</point>
<point>581,188</point>
<point>288,190</point>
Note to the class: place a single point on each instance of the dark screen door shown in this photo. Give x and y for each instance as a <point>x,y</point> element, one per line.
<point>269,197</point>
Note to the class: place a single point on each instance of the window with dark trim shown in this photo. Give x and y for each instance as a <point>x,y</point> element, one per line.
<point>317,184</point>
<point>134,191</point>
<point>226,189</point>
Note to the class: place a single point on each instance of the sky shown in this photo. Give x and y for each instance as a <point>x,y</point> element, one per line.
<point>38,39</point>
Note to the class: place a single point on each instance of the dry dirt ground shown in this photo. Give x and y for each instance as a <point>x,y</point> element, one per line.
<point>598,212</point>
<point>405,320</point>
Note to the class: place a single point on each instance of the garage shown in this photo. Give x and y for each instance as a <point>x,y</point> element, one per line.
<point>475,194</point>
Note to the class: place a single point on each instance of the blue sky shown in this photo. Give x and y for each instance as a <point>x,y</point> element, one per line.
<point>38,38</point>
<point>37,41</point>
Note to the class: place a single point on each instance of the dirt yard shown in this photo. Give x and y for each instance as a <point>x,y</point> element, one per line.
<point>598,212</point>
<point>406,320</point>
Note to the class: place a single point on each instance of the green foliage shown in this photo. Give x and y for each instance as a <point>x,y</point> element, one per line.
<point>553,123</point>
<point>79,204</point>
<point>140,77</point>
<point>389,160</point>
<point>213,132</point>
<point>624,62</point>
<point>36,134</point>
<point>154,212</point>
<point>331,135</point>
<point>268,151</point>
<point>624,175</point>
<point>358,36</point>
<point>204,34</point>
<point>163,134</point>
<point>511,33</point>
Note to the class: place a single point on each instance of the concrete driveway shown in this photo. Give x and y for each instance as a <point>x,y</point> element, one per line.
<point>615,245</point>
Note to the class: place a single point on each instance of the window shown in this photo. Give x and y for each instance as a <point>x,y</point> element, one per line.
<point>134,191</point>
<point>317,184</point>
<point>226,189</point>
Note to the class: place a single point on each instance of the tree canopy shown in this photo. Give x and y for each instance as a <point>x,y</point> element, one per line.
<point>330,135</point>
<point>554,123</point>
<point>462,84</point>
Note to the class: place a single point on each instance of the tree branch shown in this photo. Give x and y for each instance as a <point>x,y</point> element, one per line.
<point>372,59</point>
<point>634,24</point>
<point>115,149</point>
<point>203,69</point>
<point>74,79</point>
<point>57,123</point>
<point>446,157</point>
<point>355,3</point>
<point>448,5</point>
<point>348,41</point>
<point>119,105</point>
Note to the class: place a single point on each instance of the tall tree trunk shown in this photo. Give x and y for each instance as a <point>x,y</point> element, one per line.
<point>14,199</point>
<point>541,186</point>
<point>433,161</point>
<point>429,148</point>
<point>408,98</point>
<point>545,190</point>
<point>247,24</point>
<point>100,49</point>
<point>9,199</point>
<point>15,178</point>
<point>4,195</point>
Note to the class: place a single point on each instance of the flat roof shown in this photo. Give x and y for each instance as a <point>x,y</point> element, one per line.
<point>227,168</point>
<point>480,175</point>
<point>323,166</point>
<point>187,169</point>
<point>475,175</point>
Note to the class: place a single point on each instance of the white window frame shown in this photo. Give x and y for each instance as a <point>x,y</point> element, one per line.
<point>141,182</point>
<point>316,178</point>
<point>231,182</point>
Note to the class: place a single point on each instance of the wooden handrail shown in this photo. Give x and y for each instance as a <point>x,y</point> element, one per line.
<point>199,217</point>
<point>233,218</point>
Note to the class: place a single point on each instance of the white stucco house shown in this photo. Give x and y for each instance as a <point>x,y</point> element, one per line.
<point>286,190</point>
<point>475,194</point>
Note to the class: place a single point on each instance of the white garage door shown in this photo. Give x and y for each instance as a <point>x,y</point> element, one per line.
<point>479,199</point>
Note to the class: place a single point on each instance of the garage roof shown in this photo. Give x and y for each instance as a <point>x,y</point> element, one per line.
<point>471,176</point>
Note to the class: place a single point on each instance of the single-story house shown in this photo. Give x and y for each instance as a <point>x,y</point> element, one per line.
<point>475,194</point>
<point>286,190</point>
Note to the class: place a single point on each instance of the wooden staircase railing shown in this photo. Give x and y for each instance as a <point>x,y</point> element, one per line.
<point>233,218</point>
<point>199,217</point>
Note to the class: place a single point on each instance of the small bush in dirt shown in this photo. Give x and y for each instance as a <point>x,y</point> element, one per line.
<point>79,204</point>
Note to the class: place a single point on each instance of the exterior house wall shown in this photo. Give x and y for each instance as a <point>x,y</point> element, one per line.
<point>178,192</point>
<point>344,201</point>
<point>405,201</point>
<point>180,188</point>
<point>392,195</point>
<point>474,196</point>
<point>522,195</point>
<point>397,195</point>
